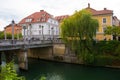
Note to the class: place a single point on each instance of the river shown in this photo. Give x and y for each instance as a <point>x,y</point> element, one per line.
<point>63,71</point>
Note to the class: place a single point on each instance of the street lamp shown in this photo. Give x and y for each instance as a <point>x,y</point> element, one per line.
<point>5,34</point>
<point>13,30</point>
<point>42,32</point>
<point>52,32</point>
<point>24,27</point>
<point>30,30</point>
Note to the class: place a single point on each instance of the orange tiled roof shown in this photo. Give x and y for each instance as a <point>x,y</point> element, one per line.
<point>41,16</point>
<point>60,18</point>
<point>99,12</point>
<point>16,25</point>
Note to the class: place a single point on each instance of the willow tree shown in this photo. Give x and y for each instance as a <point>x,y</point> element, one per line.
<point>78,31</point>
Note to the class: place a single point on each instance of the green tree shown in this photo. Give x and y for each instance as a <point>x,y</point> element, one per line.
<point>1,35</point>
<point>113,30</point>
<point>8,73</point>
<point>78,31</point>
<point>9,36</point>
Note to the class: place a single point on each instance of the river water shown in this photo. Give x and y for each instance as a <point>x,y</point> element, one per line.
<point>64,71</point>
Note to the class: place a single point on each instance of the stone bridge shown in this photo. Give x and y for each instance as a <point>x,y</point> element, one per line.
<point>35,49</point>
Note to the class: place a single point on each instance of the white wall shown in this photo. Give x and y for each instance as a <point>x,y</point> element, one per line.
<point>50,28</point>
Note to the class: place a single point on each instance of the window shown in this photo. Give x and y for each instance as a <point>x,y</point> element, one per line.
<point>43,15</point>
<point>38,19</point>
<point>104,20</point>
<point>28,20</point>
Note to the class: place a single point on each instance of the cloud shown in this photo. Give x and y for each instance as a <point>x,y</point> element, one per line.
<point>18,9</point>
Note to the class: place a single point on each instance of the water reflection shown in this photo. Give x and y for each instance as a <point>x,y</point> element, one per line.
<point>50,76</point>
<point>63,71</point>
<point>55,76</point>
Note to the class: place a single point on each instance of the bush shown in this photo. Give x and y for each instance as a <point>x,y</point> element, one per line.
<point>117,51</point>
<point>8,73</point>
<point>102,60</point>
<point>107,47</point>
<point>88,58</point>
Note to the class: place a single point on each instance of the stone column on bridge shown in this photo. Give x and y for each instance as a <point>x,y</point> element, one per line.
<point>23,61</point>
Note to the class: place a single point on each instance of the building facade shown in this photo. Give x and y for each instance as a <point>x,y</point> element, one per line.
<point>60,19</point>
<point>40,25</point>
<point>105,19</point>
<point>116,21</point>
<point>17,29</point>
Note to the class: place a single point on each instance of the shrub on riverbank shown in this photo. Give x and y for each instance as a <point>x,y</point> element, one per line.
<point>8,73</point>
<point>104,53</point>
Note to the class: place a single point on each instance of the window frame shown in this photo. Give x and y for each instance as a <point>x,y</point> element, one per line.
<point>104,20</point>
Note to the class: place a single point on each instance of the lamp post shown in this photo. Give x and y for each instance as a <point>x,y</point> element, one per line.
<point>30,30</point>
<point>24,27</point>
<point>13,31</point>
<point>52,33</point>
<point>5,34</point>
<point>42,32</point>
<point>52,42</point>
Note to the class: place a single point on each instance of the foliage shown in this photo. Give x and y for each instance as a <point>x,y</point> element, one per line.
<point>113,30</point>
<point>78,31</point>
<point>106,47</point>
<point>1,35</point>
<point>8,73</point>
<point>9,36</point>
<point>42,78</point>
<point>117,51</point>
<point>102,60</point>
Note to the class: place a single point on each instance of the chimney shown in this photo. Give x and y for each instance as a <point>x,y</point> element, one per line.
<point>88,5</point>
<point>105,8</point>
<point>41,10</point>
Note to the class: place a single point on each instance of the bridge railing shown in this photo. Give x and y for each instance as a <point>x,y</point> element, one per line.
<point>21,42</point>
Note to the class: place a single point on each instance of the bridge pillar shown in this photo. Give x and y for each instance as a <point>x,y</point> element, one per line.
<point>23,60</point>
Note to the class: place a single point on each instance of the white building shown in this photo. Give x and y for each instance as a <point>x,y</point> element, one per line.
<point>40,25</point>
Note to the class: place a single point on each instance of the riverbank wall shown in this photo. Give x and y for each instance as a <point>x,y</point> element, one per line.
<point>62,53</point>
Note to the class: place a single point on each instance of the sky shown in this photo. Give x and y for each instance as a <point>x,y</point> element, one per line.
<point>18,9</point>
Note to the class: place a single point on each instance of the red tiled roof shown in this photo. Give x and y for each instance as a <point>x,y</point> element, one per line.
<point>41,16</point>
<point>99,12</point>
<point>16,25</point>
<point>60,18</point>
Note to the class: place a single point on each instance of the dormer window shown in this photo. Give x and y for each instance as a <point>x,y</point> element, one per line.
<point>38,19</point>
<point>43,15</point>
<point>28,20</point>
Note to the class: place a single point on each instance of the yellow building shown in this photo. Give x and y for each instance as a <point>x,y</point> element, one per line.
<point>105,18</point>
